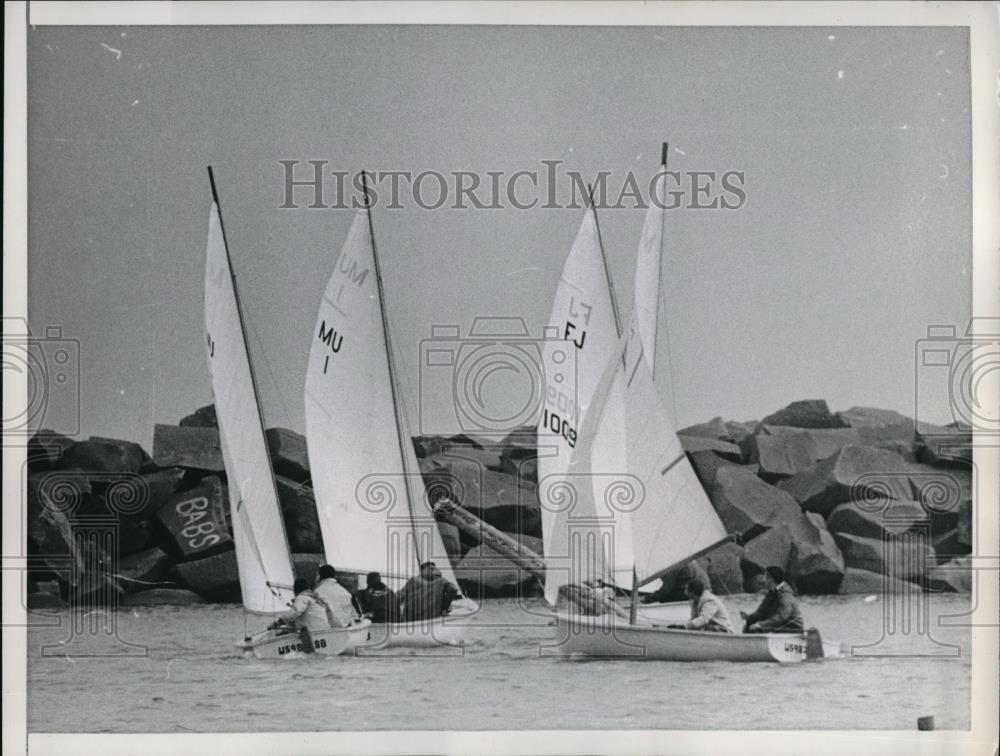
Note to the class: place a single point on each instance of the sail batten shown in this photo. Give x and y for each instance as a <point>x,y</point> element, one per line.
<point>262,554</point>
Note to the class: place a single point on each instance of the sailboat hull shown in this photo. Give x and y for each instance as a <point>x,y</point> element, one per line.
<point>332,642</point>
<point>608,637</point>
<point>434,633</point>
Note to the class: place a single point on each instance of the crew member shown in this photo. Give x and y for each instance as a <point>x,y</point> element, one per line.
<point>306,611</point>
<point>336,597</point>
<point>377,600</point>
<point>707,610</point>
<point>427,595</point>
<point>779,611</point>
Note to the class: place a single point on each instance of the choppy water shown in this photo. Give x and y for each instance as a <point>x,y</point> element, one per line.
<point>190,679</point>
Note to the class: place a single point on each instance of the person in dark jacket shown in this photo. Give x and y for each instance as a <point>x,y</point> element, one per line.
<point>428,595</point>
<point>377,600</point>
<point>779,611</point>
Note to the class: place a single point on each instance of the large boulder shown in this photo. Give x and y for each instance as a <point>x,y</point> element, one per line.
<point>493,573</point>
<point>707,464</point>
<point>867,522</point>
<point>512,519</point>
<point>780,455</point>
<point>865,582</point>
<point>46,447</point>
<point>298,511</point>
<point>189,447</point>
<point>941,491</point>
<point>907,557</point>
<point>517,448</point>
<point>214,577</point>
<point>105,455</point>
<point>194,521</point>
<point>963,533</point>
<point>808,413</point>
<point>474,485</point>
<point>803,548</point>
<point>289,456</point>
<point>715,428</point>
<point>156,488</point>
<point>428,446</point>
<point>203,417</point>
<point>826,441</point>
<point>946,449</point>
<point>947,546</point>
<point>723,568</point>
<point>306,566</point>
<point>747,505</point>
<point>138,571</point>
<point>855,473</point>
<point>674,581</point>
<point>872,417</point>
<point>954,576</point>
<point>692,444</point>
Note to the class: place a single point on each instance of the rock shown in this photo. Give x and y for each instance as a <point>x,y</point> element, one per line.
<point>903,448</point>
<point>723,568</point>
<point>105,455</point>
<point>163,597</point>
<point>195,520</point>
<point>203,417</point>
<point>906,557</point>
<point>864,582</point>
<point>951,449</point>
<point>941,491</point>
<point>452,540</point>
<point>781,456</point>
<point>954,576</point>
<point>474,485</point>
<point>826,441</point>
<point>428,446</point>
<point>493,573</point>
<point>306,566</point>
<point>45,601</point>
<point>947,546</point>
<point>513,519</point>
<point>815,563</point>
<point>157,487</point>
<point>517,448</point>
<point>715,429</point>
<point>289,456</point>
<point>673,582</point>
<point>707,464</point>
<point>855,473</point>
<point>53,499</point>
<point>139,569</point>
<point>692,444</point>
<point>747,505</point>
<point>963,533</point>
<point>46,447</point>
<point>809,413</point>
<point>188,447</point>
<point>871,417</point>
<point>803,548</point>
<point>486,457</point>
<point>462,439</point>
<point>298,511</point>
<point>214,577</point>
<point>894,517</point>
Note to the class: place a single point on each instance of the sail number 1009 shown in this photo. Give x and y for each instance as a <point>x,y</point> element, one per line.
<point>560,426</point>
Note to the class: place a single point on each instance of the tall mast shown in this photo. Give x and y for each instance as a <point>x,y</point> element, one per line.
<point>604,260</point>
<point>246,349</point>
<point>401,436</point>
<point>659,261</point>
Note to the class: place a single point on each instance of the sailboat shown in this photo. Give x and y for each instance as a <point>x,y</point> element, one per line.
<point>370,496</point>
<point>262,553</point>
<point>636,505</point>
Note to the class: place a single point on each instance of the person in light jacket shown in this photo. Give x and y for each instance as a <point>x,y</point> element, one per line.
<point>335,596</point>
<point>306,610</point>
<point>707,610</point>
<point>779,611</point>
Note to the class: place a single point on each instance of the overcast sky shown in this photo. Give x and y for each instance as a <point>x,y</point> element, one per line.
<point>855,236</point>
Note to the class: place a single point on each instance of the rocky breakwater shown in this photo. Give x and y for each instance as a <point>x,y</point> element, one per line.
<point>107,521</point>
<point>849,502</point>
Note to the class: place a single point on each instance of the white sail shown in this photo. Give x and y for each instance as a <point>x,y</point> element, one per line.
<point>671,517</point>
<point>647,269</point>
<point>265,565</point>
<point>581,338</point>
<point>370,496</point>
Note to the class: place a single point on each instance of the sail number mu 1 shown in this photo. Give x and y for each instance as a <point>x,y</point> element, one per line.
<point>348,272</point>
